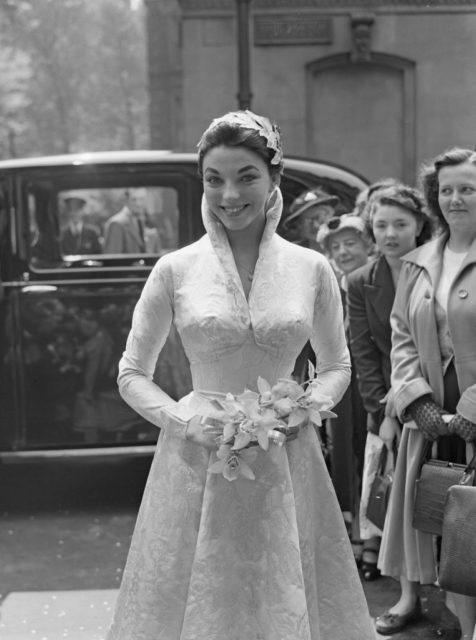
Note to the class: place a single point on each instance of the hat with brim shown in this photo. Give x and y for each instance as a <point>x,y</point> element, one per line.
<point>310,199</point>
<point>336,225</point>
<point>75,196</point>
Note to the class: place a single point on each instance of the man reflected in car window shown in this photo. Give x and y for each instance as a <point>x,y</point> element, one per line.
<point>78,237</point>
<point>125,231</point>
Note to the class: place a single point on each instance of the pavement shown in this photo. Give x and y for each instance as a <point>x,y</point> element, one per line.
<point>51,615</point>
<point>60,572</point>
<point>61,563</point>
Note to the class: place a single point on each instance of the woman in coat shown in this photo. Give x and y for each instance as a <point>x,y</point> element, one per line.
<point>433,372</point>
<point>346,243</point>
<point>397,222</point>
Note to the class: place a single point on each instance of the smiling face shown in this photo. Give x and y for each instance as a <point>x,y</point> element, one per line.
<point>236,184</point>
<point>457,198</point>
<point>348,250</point>
<point>395,230</point>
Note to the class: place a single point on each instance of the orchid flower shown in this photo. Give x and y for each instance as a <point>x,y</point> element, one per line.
<point>232,464</point>
<point>272,415</point>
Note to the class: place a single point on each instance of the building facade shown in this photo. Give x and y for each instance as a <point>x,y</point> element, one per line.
<point>376,85</point>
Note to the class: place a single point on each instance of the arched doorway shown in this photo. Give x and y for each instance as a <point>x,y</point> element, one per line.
<point>362,114</point>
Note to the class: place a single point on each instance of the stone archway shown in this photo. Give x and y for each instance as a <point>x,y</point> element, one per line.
<point>362,114</point>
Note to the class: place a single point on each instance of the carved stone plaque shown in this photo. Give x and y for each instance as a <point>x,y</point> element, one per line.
<point>285,29</point>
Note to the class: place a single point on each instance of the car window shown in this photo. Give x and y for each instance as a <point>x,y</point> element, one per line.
<point>102,218</point>
<point>114,221</point>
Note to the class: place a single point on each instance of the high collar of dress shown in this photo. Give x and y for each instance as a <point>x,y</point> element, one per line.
<point>218,236</point>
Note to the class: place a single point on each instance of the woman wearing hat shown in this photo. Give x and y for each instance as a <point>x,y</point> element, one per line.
<point>307,213</point>
<point>345,241</point>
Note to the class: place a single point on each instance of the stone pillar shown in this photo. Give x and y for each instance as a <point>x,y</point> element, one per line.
<point>164,65</point>
<point>244,88</point>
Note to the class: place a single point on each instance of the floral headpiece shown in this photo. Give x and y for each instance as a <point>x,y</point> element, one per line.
<point>249,120</point>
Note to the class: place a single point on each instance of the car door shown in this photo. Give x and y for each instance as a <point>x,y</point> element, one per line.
<point>69,313</point>
<point>10,378</point>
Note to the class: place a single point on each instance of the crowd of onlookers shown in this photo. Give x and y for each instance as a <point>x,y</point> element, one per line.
<point>406,263</point>
<point>405,259</point>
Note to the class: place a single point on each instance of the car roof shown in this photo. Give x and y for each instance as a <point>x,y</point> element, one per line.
<point>145,156</point>
<point>95,157</point>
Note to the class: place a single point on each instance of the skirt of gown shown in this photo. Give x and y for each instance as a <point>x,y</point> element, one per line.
<point>263,559</point>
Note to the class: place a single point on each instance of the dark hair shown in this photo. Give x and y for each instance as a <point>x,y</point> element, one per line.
<point>429,177</point>
<point>365,195</point>
<point>405,197</point>
<point>228,134</point>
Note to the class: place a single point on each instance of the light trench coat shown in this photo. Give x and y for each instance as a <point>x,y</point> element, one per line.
<point>416,371</point>
<point>416,360</point>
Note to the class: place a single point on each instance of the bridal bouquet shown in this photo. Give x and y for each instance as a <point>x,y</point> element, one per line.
<point>265,419</point>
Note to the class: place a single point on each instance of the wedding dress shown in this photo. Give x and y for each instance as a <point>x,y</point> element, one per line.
<point>263,559</point>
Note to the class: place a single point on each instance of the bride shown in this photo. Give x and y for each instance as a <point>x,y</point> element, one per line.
<point>262,559</point>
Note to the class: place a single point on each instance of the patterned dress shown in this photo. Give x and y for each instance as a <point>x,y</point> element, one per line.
<point>263,559</point>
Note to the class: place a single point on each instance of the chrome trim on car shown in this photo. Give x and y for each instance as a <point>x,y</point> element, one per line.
<point>12,457</point>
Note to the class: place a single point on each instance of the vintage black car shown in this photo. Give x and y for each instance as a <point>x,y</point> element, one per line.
<point>67,293</point>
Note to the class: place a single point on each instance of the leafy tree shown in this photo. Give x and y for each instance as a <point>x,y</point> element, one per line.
<point>15,74</point>
<point>83,83</point>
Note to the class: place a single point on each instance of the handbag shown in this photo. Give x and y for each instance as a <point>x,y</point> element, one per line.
<point>457,571</point>
<point>436,477</point>
<point>380,492</point>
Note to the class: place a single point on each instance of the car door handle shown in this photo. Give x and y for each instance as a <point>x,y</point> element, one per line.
<point>92,263</point>
<point>39,288</point>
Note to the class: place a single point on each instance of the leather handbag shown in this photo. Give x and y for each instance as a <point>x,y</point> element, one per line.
<point>436,477</point>
<point>380,492</point>
<point>457,571</point>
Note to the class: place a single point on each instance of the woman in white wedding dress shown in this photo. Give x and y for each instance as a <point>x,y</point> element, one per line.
<point>263,559</point>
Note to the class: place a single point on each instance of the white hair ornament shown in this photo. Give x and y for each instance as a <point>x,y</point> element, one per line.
<point>249,120</point>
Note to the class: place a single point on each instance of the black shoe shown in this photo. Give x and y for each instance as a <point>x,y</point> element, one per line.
<point>370,571</point>
<point>368,566</point>
<point>390,623</point>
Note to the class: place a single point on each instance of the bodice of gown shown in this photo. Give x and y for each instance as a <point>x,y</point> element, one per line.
<point>230,340</point>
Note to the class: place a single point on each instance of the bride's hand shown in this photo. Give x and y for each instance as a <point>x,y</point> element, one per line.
<point>205,431</point>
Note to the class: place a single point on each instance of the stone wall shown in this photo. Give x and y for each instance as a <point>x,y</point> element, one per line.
<point>378,86</point>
